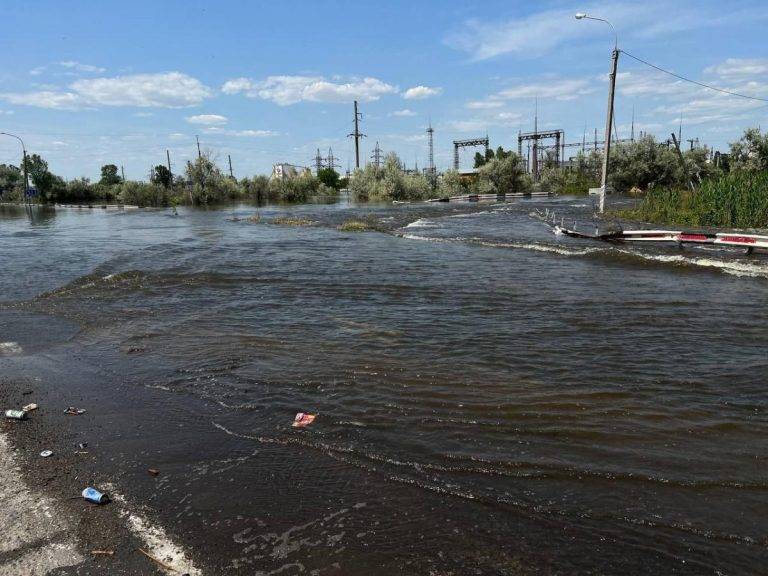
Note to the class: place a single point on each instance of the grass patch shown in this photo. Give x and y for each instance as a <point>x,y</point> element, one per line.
<point>356,226</point>
<point>735,200</point>
<point>291,221</point>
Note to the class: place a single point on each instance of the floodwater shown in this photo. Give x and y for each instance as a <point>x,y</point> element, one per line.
<point>491,399</point>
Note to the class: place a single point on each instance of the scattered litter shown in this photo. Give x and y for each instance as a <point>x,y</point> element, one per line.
<point>82,445</point>
<point>93,495</point>
<point>153,471</point>
<point>303,420</point>
<point>26,392</point>
<point>81,452</point>
<point>16,414</point>
<point>72,411</point>
<point>156,561</point>
<point>103,552</point>
<point>30,407</point>
<point>46,453</point>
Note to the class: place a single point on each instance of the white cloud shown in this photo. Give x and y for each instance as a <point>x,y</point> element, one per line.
<point>740,67</point>
<point>403,113</point>
<point>559,89</point>
<point>143,114</point>
<point>535,34</point>
<point>421,92</point>
<point>80,67</point>
<point>240,133</point>
<point>287,90</point>
<point>6,112</point>
<point>237,85</point>
<point>485,122</point>
<point>161,90</point>
<point>484,104</point>
<point>37,71</point>
<point>177,136</point>
<point>208,119</point>
<point>44,99</point>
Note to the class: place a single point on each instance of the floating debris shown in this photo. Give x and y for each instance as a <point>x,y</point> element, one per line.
<point>30,407</point>
<point>103,552</point>
<point>72,411</point>
<point>46,453</point>
<point>302,420</point>
<point>153,471</point>
<point>16,414</point>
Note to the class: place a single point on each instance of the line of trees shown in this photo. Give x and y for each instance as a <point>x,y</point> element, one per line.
<point>647,164</point>
<point>501,172</point>
<point>730,193</point>
<point>202,183</point>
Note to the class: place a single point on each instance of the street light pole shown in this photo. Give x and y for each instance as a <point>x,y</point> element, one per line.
<point>609,115</point>
<point>24,162</point>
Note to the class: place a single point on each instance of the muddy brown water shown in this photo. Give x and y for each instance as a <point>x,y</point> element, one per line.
<point>491,399</point>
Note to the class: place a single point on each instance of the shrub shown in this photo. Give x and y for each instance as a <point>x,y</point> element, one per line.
<point>502,176</point>
<point>141,194</point>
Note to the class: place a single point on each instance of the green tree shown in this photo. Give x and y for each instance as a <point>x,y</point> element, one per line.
<point>451,184</point>
<point>162,176</point>
<point>750,153</point>
<point>109,175</point>
<point>644,164</point>
<point>479,159</point>
<point>503,176</point>
<point>329,177</point>
<point>10,179</point>
<point>47,184</point>
<point>501,153</point>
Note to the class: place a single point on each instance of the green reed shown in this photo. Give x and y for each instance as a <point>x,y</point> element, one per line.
<point>735,200</point>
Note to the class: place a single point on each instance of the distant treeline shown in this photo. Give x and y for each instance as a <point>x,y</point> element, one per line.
<point>202,183</point>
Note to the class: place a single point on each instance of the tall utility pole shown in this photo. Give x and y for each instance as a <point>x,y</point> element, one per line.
<point>122,171</point>
<point>231,175</point>
<point>199,154</point>
<point>377,156</point>
<point>170,173</point>
<point>609,116</point>
<point>608,123</point>
<point>357,135</point>
<point>318,162</point>
<point>632,132</point>
<point>431,165</point>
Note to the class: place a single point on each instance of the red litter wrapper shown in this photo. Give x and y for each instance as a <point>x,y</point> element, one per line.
<point>302,420</point>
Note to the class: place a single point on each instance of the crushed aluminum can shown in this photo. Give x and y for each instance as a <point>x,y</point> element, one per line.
<point>30,407</point>
<point>93,495</point>
<point>16,414</point>
<point>46,453</point>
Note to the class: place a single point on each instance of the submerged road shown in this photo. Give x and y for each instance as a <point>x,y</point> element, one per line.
<point>490,398</point>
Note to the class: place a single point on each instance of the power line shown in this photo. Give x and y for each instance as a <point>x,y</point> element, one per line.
<point>694,81</point>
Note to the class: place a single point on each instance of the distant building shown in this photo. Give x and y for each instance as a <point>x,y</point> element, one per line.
<point>285,171</point>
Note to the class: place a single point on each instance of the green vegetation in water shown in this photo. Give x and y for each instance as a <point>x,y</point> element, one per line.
<point>291,221</point>
<point>355,226</point>
<point>733,194</point>
<point>202,183</point>
<point>500,173</point>
<point>734,200</point>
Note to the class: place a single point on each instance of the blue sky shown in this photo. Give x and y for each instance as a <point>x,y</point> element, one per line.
<point>89,83</point>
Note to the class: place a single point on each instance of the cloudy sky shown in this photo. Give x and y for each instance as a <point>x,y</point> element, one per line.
<point>90,83</point>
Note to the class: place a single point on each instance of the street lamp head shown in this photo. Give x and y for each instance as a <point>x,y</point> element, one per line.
<point>580,15</point>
